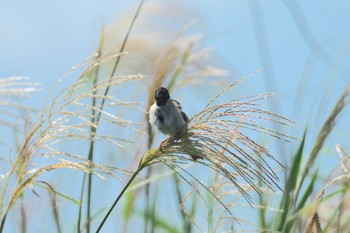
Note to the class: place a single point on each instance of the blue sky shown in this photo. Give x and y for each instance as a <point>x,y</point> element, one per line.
<point>303,47</point>
<point>44,39</point>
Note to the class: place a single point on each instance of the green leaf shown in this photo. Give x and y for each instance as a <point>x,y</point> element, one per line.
<point>291,183</point>
<point>324,133</point>
<point>308,191</point>
<point>49,188</point>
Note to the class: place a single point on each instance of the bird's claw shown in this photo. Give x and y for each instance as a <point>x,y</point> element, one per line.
<point>176,137</point>
<point>161,146</point>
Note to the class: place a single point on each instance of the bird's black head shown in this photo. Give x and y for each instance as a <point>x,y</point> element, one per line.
<point>161,95</point>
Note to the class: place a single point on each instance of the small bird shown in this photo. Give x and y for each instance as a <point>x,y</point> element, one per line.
<point>166,114</point>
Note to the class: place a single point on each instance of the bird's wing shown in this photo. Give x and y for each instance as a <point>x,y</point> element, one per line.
<point>159,115</point>
<point>177,104</point>
<point>183,114</point>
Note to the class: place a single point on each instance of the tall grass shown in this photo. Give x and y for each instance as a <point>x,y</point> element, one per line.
<point>66,118</point>
<point>214,136</point>
<point>233,172</point>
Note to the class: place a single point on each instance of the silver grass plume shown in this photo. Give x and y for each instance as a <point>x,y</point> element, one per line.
<point>217,135</point>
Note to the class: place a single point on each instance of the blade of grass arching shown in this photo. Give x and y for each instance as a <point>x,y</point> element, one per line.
<point>309,190</point>
<point>323,134</point>
<point>291,183</point>
<point>53,200</point>
<point>46,186</point>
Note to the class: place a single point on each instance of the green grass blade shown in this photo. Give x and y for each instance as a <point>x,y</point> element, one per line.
<point>324,133</point>
<point>291,183</point>
<point>308,191</point>
<point>295,170</point>
<point>50,188</point>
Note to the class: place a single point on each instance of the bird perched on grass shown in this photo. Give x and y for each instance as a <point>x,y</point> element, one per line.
<point>167,116</point>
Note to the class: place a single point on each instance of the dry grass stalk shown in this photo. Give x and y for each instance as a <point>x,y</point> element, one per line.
<point>218,136</point>
<point>67,118</point>
<point>12,90</point>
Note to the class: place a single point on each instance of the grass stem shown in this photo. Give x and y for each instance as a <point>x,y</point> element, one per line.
<point>118,198</point>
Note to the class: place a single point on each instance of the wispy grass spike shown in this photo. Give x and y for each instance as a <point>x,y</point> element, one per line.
<point>217,136</point>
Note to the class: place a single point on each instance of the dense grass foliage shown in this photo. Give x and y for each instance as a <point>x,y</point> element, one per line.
<point>90,159</point>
